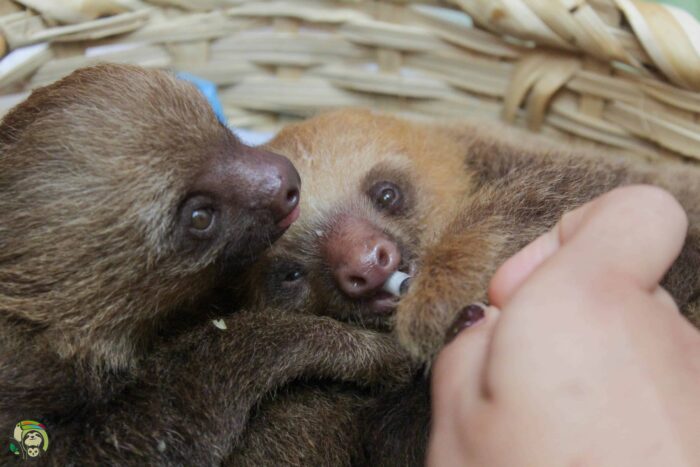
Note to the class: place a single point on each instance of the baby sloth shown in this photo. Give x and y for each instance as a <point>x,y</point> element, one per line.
<point>377,190</point>
<point>124,202</point>
<point>444,204</point>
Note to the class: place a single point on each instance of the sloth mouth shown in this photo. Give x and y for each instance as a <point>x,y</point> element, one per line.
<point>383,303</point>
<point>284,224</point>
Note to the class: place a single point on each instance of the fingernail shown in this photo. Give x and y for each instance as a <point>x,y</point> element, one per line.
<point>465,319</point>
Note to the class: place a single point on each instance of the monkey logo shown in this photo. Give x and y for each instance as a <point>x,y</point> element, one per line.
<point>30,440</point>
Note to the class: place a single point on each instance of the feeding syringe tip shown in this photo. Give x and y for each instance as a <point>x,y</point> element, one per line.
<point>397,284</point>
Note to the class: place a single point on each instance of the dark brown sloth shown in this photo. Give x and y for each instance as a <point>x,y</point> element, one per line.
<point>446,204</point>
<point>123,201</point>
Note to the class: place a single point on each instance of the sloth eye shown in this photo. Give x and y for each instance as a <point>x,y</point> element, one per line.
<point>386,197</point>
<point>288,273</point>
<point>201,219</point>
<point>293,276</point>
<point>198,217</point>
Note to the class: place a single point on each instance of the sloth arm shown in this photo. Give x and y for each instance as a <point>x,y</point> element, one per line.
<point>194,398</point>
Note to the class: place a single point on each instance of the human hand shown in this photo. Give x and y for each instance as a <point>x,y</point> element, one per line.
<point>589,361</point>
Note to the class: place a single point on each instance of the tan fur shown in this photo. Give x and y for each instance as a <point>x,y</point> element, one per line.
<point>333,167</point>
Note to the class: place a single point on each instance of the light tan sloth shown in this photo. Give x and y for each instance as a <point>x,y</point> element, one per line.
<point>445,204</point>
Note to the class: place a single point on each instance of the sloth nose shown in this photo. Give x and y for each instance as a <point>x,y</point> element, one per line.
<point>273,183</point>
<point>285,199</point>
<point>361,257</point>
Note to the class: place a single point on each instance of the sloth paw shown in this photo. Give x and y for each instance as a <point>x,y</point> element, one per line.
<point>426,312</point>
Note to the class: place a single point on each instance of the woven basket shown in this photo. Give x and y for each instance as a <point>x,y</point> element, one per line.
<point>618,73</point>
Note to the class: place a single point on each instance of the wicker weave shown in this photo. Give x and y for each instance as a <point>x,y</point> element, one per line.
<point>620,73</point>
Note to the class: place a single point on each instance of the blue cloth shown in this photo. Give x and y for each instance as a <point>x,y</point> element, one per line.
<point>209,90</point>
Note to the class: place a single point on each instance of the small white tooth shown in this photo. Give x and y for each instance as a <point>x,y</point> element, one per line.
<point>393,283</point>
<point>219,323</point>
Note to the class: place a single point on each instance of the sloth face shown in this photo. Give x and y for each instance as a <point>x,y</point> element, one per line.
<point>374,199</point>
<point>32,438</point>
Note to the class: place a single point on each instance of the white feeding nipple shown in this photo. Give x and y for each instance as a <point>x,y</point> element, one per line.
<point>397,284</point>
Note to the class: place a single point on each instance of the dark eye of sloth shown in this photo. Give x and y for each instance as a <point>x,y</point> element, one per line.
<point>289,273</point>
<point>202,219</point>
<point>293,276</point>
<point>198,216</point>
<point>387,197</point>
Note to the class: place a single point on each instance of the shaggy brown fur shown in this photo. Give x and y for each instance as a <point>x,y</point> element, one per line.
<point>302,425</point>
<point>101,336</point>
<point>333,425</point>
<point>473,195</point>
